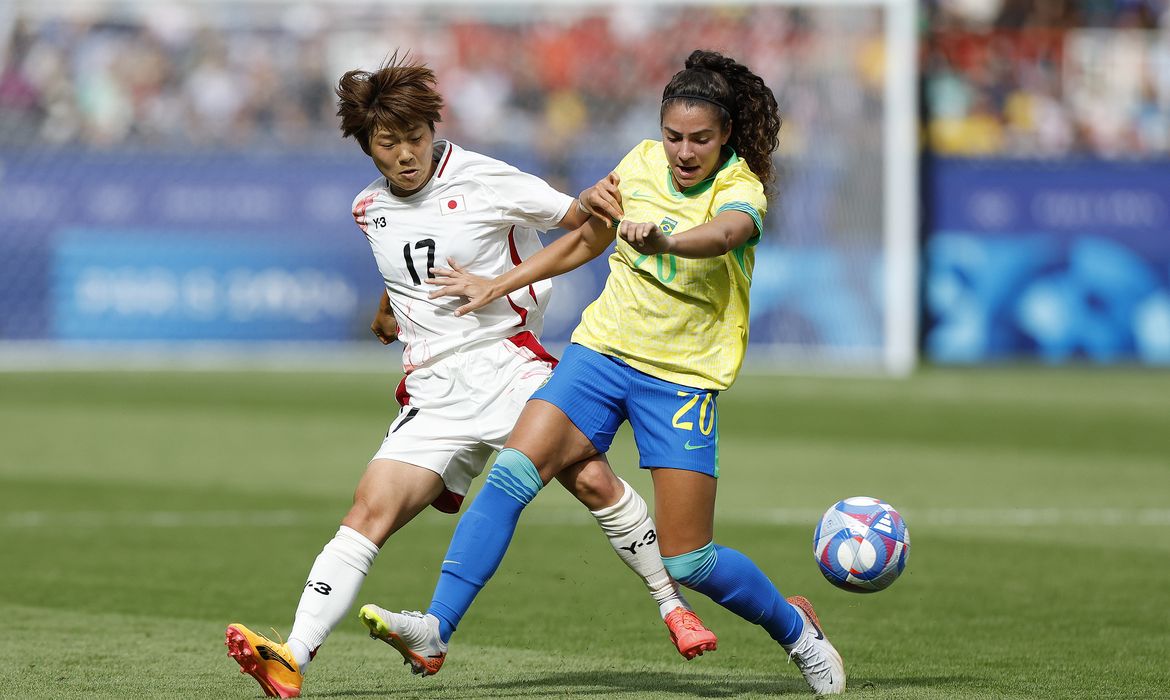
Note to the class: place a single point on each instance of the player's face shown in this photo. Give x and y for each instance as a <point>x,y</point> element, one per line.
<point>692,136</point>
<point>405,158</point>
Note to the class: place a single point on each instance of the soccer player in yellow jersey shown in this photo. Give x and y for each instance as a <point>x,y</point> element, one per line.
<point>666,335</point>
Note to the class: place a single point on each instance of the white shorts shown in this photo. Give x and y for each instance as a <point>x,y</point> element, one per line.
<point>460,409</point>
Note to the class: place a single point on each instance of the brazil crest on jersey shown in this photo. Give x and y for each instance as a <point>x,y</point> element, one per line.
<point>684,320</point>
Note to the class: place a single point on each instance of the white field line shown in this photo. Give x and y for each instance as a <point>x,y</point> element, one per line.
<point>974,517</point>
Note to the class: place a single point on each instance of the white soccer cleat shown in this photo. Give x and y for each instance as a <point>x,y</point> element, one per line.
<point>413,634</point>
<point>818,661</point>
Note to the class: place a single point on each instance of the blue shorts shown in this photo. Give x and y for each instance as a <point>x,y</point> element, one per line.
<point>675,426</point>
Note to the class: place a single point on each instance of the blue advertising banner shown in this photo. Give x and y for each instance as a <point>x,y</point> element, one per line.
<point>117,285</point>
<point>246,247</point>
<point>1055,262</point>
<point>169,248</point>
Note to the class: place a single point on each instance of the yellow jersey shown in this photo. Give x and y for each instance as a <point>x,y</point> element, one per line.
<point>684,320</point>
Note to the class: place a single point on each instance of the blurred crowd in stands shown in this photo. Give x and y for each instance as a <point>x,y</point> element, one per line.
<point>179,75</point>
<point>1019,78</point>
<point>1047,78</point>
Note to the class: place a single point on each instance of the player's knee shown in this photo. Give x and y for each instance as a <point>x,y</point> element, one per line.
<point>692,568</point>
<point>515,474</point>
<point>595,487</point>
<point>372,520</point>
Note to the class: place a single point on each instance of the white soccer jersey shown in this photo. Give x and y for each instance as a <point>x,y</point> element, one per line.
<point>480,212</point>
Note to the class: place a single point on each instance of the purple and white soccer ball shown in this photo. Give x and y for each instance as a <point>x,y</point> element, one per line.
<point>861,544</point>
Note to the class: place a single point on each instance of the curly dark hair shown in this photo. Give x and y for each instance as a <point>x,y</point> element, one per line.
<point>745,102</point>
<point>396,97</point>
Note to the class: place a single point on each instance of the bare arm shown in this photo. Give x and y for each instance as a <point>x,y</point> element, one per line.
<point>602,199</point>
<point>724,233</point>
<point>385,326</point>
<point>568,252</point>
<point>575,217</point>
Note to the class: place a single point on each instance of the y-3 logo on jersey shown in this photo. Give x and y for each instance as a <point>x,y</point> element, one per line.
<point>668,225</point>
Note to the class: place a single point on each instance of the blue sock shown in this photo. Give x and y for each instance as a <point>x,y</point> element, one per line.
<point>482,536</point>
<point>731,579</point>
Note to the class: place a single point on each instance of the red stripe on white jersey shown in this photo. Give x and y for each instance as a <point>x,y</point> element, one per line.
<point>520,311</point>
<point>359,211</point>
<point>446,158</point>
<point>516,259</point>
<point>401,395</point>
<point>529,341</point>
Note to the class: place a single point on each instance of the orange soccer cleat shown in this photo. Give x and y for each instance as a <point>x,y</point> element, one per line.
<point>270,663</point>
<point>688,633</point>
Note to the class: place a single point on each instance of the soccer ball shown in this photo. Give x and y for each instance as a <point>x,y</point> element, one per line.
<point>861,544</point>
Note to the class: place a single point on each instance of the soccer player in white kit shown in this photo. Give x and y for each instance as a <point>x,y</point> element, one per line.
<point>466,378</point>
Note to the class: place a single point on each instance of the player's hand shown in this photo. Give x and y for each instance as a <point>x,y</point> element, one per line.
<point>385,326</point>
<point>603,200</point>
<point>458,282</point>
<point>646,238</point>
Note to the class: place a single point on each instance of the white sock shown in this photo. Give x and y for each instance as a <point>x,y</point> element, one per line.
<point>333,585</point>
<point>630,530</point>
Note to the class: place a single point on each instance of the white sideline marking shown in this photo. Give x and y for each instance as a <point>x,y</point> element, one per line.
<point>989,517</point>
<point>982,517</point>
<point>157,518</point>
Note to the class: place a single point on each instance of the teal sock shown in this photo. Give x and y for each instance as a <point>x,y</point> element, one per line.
<point>734,581</point>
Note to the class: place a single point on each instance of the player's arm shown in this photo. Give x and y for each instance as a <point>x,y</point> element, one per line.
<point>602,199</point>
<point>568,252</point>
<point>726,232</point>
<point>385,326</point>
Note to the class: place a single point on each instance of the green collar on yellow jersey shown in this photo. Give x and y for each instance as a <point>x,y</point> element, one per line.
<point>701,187</point>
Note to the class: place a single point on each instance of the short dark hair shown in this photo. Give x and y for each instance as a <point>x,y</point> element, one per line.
<point>396,97</point>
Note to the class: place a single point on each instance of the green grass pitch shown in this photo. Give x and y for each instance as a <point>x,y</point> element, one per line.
<point>140,513</point>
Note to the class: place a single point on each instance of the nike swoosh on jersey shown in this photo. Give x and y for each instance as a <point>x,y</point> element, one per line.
<point>450,561</point>
<point>638,194</point>
<point>689,446</point>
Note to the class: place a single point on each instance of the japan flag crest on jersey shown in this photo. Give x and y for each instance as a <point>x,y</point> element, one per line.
<point>452,204</point>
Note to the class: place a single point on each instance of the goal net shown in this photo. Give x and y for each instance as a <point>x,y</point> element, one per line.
<point>172,179</point>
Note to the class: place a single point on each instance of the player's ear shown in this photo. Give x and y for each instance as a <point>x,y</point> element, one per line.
<point>727,133</point>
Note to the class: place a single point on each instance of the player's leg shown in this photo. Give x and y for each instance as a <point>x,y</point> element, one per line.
<point>544,437</point>
<point>677,432</point>
<point>388,496</point>
<point>685,506</point>
<point>625,519</point>
<point>413,634</point>
<point>479,543</point>
<point>406,473</point>
<point>543,442</point>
